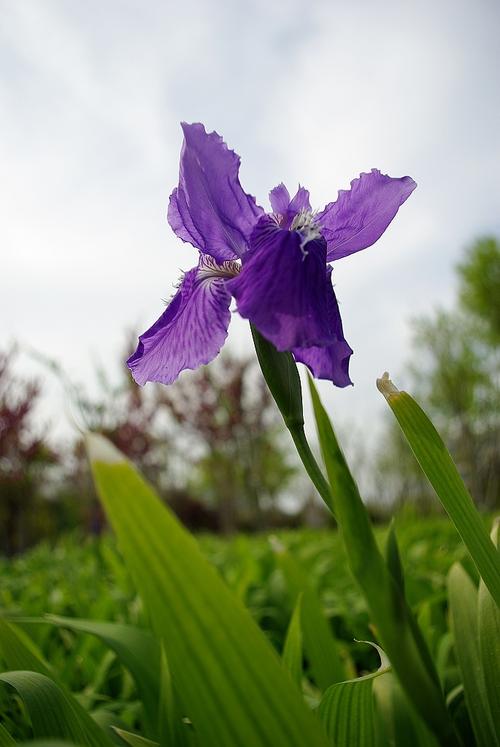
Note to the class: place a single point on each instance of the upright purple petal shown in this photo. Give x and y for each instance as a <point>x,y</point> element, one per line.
<point>191,330</point>
<point>209,208</point>
<point>330,361</point>
<point>360,215</point>
<point>279,197</point>
<point>281,287</point>
<point>285,208</point>
<point>300,201</point>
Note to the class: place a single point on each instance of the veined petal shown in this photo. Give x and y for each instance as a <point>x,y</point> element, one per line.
<point>281,287</point>
<point>279,197</point>
<point>191,330</point>
<point>209,208</point>
<point>300,201</point>
<point>330,361</point>
<point>360,215</point>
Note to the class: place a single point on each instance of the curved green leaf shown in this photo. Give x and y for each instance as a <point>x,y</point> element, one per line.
<point>137,650</point>
<point>53,712</point>
<point>346,708</point>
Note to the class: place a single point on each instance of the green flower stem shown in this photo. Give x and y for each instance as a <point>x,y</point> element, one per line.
<point>282,378</point>
<point>396,628</point>
<point>311,465</point>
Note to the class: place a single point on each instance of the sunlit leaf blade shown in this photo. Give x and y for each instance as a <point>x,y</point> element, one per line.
<point>440,470</point>
<point>346,710</point>
<point>137,650</point>
<point>319,643</point>
<point>135,740</point>
<point>292,650</point>
<point>463,606</point>
<point>489,642</point>
<point>53,712</point>
<point>387,605</point>
<point>228,676</point>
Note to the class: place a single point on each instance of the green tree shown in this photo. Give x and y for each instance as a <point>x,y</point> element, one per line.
<point>455,372</point>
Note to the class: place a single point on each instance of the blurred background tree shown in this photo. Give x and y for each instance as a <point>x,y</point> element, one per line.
<point>455,374</point>
<point>227,415</point>
<point>25,458</point>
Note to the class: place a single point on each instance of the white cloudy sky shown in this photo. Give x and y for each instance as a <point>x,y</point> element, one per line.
<point>91,95</point>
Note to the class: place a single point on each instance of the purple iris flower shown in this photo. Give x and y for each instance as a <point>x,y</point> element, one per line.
<point>275,265</point>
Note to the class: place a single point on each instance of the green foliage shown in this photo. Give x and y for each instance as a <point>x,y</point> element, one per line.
<point>87,580</point>
<point>455,373</point>
<point>480,284</point>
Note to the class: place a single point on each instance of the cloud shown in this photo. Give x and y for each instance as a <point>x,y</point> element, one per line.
<point>91,95</point>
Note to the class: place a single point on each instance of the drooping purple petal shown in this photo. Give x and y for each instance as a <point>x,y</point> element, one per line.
<point>209,208</point>
<point>191,330</point>
<point>281,287</point>
<point>360,215</point>
<point>330,361</point>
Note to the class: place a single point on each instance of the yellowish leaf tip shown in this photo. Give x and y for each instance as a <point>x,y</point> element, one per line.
<point>99,449</point>
<point>385,385</point>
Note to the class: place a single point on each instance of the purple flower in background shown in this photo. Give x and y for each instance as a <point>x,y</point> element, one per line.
<point>274,264</point>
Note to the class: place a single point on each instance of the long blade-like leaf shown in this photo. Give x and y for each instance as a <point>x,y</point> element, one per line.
<point>438,466</point>
<point>388,607</point>
<point>489,642</point>
<point>228,676</point>
<point>463,605</point>
<point>292,650</point>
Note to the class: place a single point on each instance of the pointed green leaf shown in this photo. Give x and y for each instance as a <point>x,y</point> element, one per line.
<point>228,676</point>
<point>439,468</point>
<point>319,643</point>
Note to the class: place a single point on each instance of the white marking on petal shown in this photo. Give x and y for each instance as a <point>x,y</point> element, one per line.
<point>209,268</point>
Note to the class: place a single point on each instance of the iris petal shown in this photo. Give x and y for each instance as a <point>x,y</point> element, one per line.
<point>209,208</point>
<point>189,333</point>
<point>281,288</point>
<point>330,361</point>
<point>360,215</point>
<point>279,197</point>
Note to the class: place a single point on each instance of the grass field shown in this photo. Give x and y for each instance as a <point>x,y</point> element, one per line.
<point>85,578</point>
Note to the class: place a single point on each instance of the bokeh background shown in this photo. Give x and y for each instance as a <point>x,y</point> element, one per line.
<point>91,96</point>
